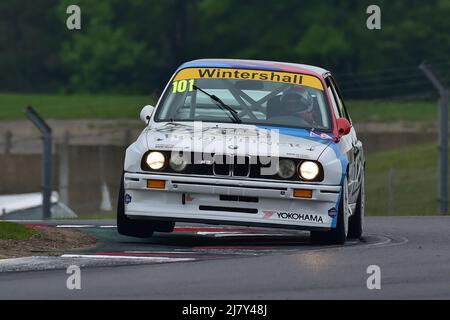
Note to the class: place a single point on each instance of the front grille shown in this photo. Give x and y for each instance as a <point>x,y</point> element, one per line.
<point>241,167</point>
<point>238,198</point>
<point>221,169</point>
<point>235,166</point>
<point>225,166</point>
<point>228,209</point>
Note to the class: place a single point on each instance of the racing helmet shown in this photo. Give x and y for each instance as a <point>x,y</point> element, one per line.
<point>297,99</point>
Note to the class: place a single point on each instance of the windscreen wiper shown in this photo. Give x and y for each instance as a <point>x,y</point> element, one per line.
<point>221,104</point>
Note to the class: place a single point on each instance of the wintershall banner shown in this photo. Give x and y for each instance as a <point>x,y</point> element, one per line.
<point>249,74</point>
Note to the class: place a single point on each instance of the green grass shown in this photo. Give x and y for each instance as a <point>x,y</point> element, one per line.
<point>12,106</point>
<point>391,111</point>
<point>415,181</point>
<point>14,231</point>
<point>113,107</point>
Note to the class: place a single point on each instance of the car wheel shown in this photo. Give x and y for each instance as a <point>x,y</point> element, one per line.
<point>338,234</point>
<point>162,226</point>
<point>128,227</point>
<point>356,221</point>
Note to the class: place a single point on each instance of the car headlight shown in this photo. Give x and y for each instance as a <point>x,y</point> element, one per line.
<point>178,162</point>
<point>308,170</point>
<point>155,160</point>
<point>286,168</point>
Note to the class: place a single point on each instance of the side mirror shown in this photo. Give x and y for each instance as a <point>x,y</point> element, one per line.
<point>343,126</point>
<point>146,113</point>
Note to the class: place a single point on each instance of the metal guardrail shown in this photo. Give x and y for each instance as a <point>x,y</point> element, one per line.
<point>46,131</point>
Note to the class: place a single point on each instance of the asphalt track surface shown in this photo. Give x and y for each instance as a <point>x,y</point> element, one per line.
<point>204,262</point>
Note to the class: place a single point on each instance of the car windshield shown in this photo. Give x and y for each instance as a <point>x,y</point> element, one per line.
<point>254,96</point>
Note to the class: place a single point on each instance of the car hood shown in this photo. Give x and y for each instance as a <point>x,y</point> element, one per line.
<point>238,139</point>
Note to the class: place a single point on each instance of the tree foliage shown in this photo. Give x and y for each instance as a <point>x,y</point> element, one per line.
<point>134,46</point>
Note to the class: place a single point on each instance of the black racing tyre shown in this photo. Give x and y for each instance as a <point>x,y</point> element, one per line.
<point>129,227</point>
<point>338,234</point>
<point>356,221</point>
<point>163,226</point>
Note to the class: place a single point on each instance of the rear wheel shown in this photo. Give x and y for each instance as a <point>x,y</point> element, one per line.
<point>338,234</point>
<point>356,221</point>
<point>137,228</point>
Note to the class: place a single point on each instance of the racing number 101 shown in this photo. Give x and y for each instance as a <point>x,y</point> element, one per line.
<point>182,85</point>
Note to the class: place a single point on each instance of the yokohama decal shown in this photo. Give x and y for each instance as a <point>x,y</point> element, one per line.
<point>294,216</point>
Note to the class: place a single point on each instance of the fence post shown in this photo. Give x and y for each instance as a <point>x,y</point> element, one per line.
<point>64,169</point>
<point>443,138</point>
<point>47,164</point>
<point>8,142</point>
<point>391,191</point>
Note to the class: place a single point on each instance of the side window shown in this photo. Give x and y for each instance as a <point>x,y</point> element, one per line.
<point>340,101</point>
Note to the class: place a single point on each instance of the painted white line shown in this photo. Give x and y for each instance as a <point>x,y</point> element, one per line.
<point>155,259</point>
<point>162,252</point>
<point>205,233</point>
<point>75,226</point>
<point>240,235</point>
<point>82,226</point>
<point>385,241</point>
<point>248,235</point>
<point>399,240</point>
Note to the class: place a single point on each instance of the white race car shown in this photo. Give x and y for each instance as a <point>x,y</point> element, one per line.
<point>251,143</point>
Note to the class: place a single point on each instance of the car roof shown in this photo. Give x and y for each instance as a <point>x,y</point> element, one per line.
<point>254,64</point>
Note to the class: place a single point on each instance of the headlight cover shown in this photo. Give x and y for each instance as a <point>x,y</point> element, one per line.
<point>308,170</point>
<point>286,168</point>
<point>155,160</point>
<point>178,162</point>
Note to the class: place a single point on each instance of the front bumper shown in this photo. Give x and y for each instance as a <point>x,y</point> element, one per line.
<point>230,201</point>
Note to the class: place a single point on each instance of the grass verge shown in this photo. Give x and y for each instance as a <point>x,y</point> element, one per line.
<point>412,188</point>
<point>392,111</point>
<point>12,106</point>
<point>14,231</point>
<point>119,106</point>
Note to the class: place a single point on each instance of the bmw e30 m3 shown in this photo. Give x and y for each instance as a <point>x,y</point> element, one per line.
<point>251,143</point>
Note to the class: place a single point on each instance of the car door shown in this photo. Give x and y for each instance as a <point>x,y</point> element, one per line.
<point>354,153</point>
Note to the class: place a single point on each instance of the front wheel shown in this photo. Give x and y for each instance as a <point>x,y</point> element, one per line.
<point>338,234</point>
<point>356,221</point>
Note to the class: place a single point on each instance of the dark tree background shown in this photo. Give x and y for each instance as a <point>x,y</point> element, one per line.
<point>133,46</point>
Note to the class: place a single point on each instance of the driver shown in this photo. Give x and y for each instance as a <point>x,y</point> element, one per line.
<point>296,101</point>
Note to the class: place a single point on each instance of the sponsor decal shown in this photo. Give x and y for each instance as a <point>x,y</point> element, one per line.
<point>320,135</point>
<point>164,146</point>
<point>293,216</point>
<point>299,216</point>
<point>268,214</point>
<point>332,212</point>
<point>184,79</point>
<point>325,136</point>
<point>127,198</point>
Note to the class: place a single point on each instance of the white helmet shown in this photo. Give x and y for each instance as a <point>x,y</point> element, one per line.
<point>297,99</point>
